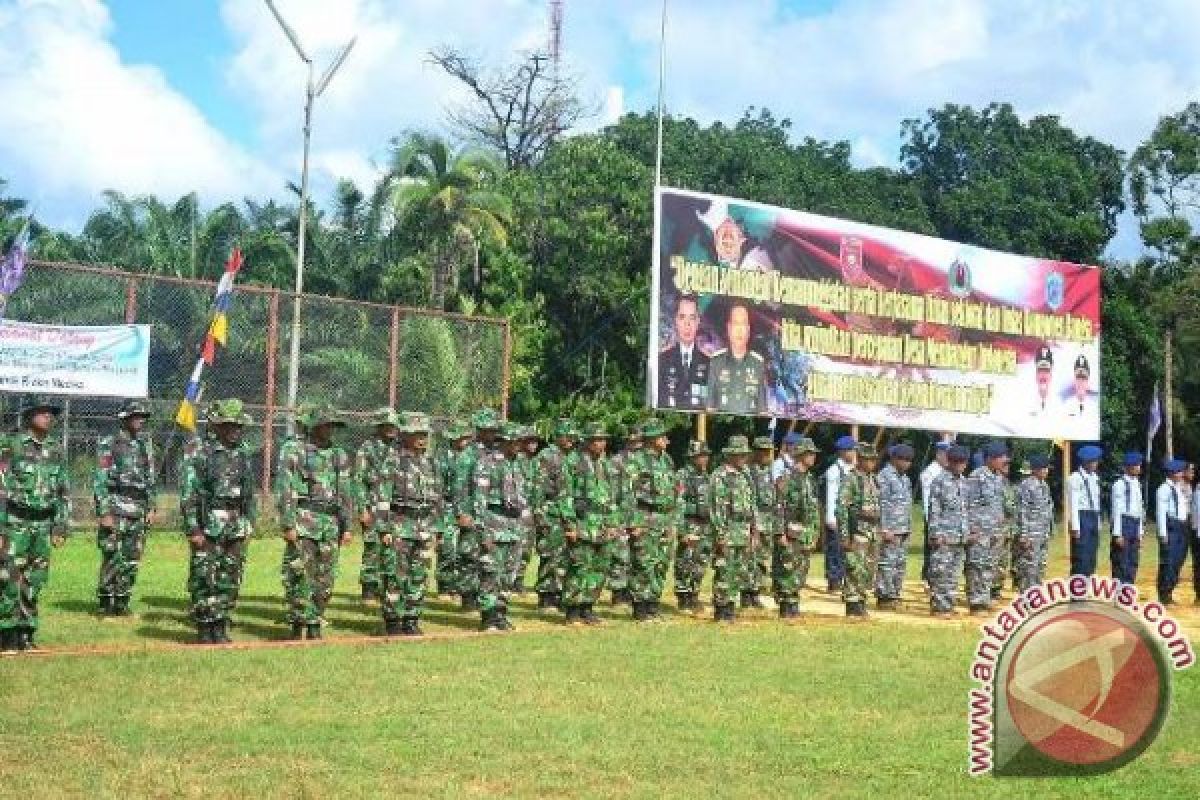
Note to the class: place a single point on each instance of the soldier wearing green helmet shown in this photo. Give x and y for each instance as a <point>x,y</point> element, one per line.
<point>530,442</point>
<point>619,556</point>
<point>767,522</point>
<point>551,475</point>
<point>858,518</point>
<point>502,514</point>
<point>369,462</point>
<point>487,424</point>
<point>454,462</point>
<point>655,508</point>
<point>694,543</point>
<point>800,517</point>
<point>590,517</point>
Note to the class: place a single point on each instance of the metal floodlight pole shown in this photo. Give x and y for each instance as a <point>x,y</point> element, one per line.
<point>311,92</point>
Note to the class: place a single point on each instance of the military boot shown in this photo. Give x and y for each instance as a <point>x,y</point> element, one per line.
<point>573,615</point>
<point>8,642</point>
<point>105,606</point>
<point>221,632</point>
<point>589,616</point>
<point>204,633</point>
<point>503,623</point>
<point>314,630</point>
<point>409,627</point>
<point>545,600</point>
<point>655,612</point>
<point>470,602</point>
<point>120,606</point>
<point>640,613</point>
<point>369,594</point>
<point>297,633</point>
<point>392,626</point>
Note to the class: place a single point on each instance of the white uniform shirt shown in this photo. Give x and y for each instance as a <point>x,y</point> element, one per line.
<point>928,476</point>
<point>1127,502</point>
<point>1169,502</point>
<point>782,466</point>
<point>1083,492</point>
<point>833,486</point>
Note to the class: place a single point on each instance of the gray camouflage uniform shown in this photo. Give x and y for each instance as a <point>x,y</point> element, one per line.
<point>895,500</point>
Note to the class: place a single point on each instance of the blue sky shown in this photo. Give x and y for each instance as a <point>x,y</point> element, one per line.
<point>167,96</point>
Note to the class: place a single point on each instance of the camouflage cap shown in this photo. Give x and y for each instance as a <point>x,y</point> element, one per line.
<point>630,433</point>
<point>385,416</point>
<point>566,427</point>
<point>133,408</point>
<point>229,411</point>
<point>529,432</point>
<point>414,422</point>
<point>653,428</point>
<point>698,448</point>
<point>321,414</point>
<point>764,443</point>
<point>485,419</point>
<point>594,430</point>
<point>867,450</point>
<point>457,429</point>
<point>40,403</point>
<point>510,432</point>
<point>736,446</point>
<point>806,445</point>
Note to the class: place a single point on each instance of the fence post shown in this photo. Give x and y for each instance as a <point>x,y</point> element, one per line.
<point>507,379</point>
<point>130,300</point>
<point>393,354</point>
<point>269,413</point>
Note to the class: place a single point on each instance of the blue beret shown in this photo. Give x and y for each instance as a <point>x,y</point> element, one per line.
<point>977,459</point>
<point>1039,461</point>
<point>942,446</point>
<point>792,438</point>
<point>1089,453</point>
<point>1134,459</point>
<point>959,453</point>
<point>903,451</point>
<point>995,450</point>
<point>845,443</point>
<point>1175,465</point>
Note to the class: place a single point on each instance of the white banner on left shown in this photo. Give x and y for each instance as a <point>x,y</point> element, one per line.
<point>103,361</point>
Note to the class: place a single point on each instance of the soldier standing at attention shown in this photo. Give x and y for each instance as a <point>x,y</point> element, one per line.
<point>766,508</point>
<point>694,544</point>
<point>928,476</point>
<point>1083,493</point>
<point>835,565</point>
<point>1171,513</point>
<point>655,493</point>
<point>619,554</point>
<point>895,502</point>
<point>470,537</point>
<point>216,500</point>
<point>985,505</point>
<point>502,516</point>
<point>733,526</point>
<point>124,492</point>
<point>948,530</point>
<point>33,517</point>
<point>1128,517</point>
<point>1035,521</point>
<point>454,467</point>
<point>589,510</point>
<point>530,466</point>
<point>316,504</point>
<point>858,514</point>
<point>786,461</point>
<point>800,515</point>
<point>369,461</point>
<point>552,474</point>
<point>408,507</point>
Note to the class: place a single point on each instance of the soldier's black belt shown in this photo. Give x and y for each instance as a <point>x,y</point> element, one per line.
<point>504,511</point>
<point>410,508</point>
<point>29,514</point>
<point>319,507</point>
<point>129,492</point>
<point>648,506</point>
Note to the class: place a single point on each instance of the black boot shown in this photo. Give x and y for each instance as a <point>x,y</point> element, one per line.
<point>502,621</point>
<point>470,602</point>
<point>297,633</point>
<point>639,612</point>
<point>410,627</point>
<point>221,632</point>
<point>573,615</point>
<point>392,626</point>
<point>314,630</point>
<point>120,606</point>
<point>996,591</point>
<point>655,613</point>
<point>588,615</point>
<point>105,606</point>
<point>204,633</point>
<point>730,613</point>
<point>369,594</point>
<point>8,642</point>
<point>545,600</point>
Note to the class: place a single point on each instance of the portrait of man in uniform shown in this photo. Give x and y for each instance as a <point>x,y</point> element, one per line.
<point>683,366</point>
<point>737,381</point>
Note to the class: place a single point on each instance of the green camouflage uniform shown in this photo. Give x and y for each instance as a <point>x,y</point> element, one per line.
<point>548,515</point>
<point>315,492</point>
<point>216,500</point>
<point>410,503</point>
<point>800,514</point>
<point>655,513</point>
<point>470,538</point>
<point>503,519</point>
<point>454,469</point>
<point>693,547</point>
<point>733,506</point>
<point>619,555</point>
<point>766,521</point>
<point>530,468</point>
<point>858,513</point>
<point>35,494</point>
<point>589,510</point>
<point>124,489</point>
<point>369,461</point>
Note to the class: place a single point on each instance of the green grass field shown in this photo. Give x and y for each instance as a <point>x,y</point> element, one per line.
<point>820,708</point>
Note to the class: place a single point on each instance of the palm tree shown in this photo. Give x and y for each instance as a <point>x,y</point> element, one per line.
<point>450,199</point>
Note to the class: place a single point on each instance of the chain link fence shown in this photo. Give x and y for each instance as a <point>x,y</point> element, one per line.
<point>358,356</point>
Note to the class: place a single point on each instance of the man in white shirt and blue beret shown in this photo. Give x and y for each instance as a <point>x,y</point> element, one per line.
<point>1083,494</point>
<point>1128,518</point>
<point>1171,513</point>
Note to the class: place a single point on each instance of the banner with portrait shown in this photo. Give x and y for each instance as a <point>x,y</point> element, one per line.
<point>764,311</point>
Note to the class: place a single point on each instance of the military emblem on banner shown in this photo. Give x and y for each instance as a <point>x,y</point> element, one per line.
<point>958,278</point>
<point>1056,287</point>
<point>728,240</point>
<point>850,255</point>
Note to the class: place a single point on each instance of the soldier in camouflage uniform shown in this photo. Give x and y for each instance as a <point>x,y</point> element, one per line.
<point>858,515</point>
<point>733,525</point>
<point>470,538</point>
<point>656,512</point>
<point>949,526</point>
<point>503,517</point>
<point>800,515</point>
<point>530,466</point>
<point>125,499</point>
<point>408,509</point>
<point>33,517</point>
<point>454,463</point>
<point>693,547</point>
<point>316,505</point>
<point>619,557</point>
<point>1035,522</point>
<point>216,500</point>
<point>590,516</point>
<point>895,526</point>
<point>369,462</point>
<point>1002,542</point>
<point>766,510</point>
<point>985,506</point>
<point>551,473</point>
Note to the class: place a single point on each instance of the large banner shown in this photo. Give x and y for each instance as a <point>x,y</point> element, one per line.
<point>110,361</point>
<point>764,311</point>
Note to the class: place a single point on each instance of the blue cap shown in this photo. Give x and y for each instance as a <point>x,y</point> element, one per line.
<point>942,447</point>
<point>845,443</point>
<point>1175,465</point>
<point>1089,452</point>
<point>901,451</point>
<point>959,453</point>
<point>977,459</point>
<point>1039,461</point>
<point>995,450</point>
<point>792,438</point>
<point>1133,459</point>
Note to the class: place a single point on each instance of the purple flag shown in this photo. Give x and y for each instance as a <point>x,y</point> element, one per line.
<point>1154,420</point>
<point>12,268</point>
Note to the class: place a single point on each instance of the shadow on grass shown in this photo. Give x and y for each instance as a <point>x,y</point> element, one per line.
<point>78,606</point>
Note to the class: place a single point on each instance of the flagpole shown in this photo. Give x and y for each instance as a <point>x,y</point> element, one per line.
<point>662,82</point>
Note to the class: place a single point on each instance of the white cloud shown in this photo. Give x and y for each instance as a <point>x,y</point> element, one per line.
<point>77,120</point>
